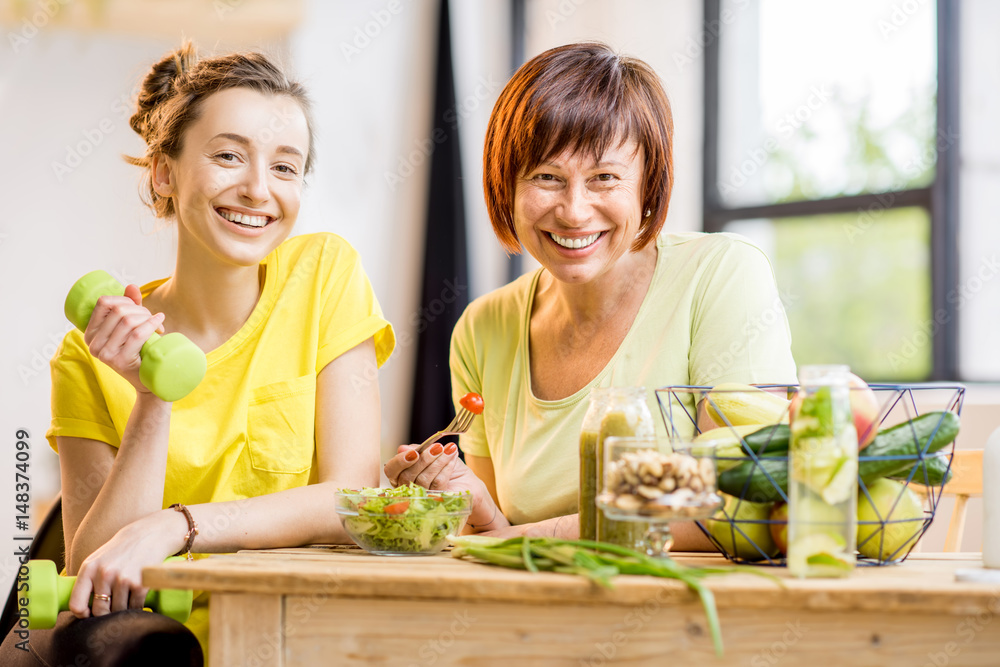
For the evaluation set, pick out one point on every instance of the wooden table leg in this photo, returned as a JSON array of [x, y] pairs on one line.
[[245, 630]]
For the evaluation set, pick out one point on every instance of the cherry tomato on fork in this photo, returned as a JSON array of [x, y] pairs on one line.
[[473, 403]]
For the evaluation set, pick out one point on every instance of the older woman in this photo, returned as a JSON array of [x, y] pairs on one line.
[[578, 170]]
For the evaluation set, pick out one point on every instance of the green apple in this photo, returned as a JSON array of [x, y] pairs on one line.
[[735, 529], [884, 535]]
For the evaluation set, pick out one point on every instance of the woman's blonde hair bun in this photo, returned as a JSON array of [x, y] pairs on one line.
[[160, 85]]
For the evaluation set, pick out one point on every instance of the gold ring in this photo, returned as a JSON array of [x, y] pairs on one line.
[[102, 596]]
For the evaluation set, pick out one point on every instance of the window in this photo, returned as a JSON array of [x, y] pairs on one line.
[[827, 142]]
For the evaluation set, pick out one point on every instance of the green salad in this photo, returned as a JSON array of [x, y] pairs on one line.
[[406, 520]]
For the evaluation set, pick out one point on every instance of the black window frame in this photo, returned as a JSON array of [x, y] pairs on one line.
[[939, 199]]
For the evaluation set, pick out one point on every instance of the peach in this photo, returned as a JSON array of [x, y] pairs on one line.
[[779, 531], [865, 408]]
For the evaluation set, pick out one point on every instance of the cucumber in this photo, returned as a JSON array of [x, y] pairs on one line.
[[734, 445], [751, 474], [769, 440], [938, 471], [895, 449]]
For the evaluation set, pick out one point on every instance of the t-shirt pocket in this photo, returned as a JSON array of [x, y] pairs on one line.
[[281, 425]]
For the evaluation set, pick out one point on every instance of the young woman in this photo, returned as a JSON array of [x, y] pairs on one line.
[[256, 451], [578, 169]]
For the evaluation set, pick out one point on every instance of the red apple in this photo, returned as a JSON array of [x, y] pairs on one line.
[[865, 408], [779, 531]]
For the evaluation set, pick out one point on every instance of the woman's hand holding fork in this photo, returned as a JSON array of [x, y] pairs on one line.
[[436, 466]]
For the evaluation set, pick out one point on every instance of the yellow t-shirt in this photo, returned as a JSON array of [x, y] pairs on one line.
[[712, 314], [248, 428]]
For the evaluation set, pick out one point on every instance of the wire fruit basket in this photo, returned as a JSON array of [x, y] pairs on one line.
[[901, 470]]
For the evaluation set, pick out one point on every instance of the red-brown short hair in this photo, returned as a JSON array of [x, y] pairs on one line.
[[580, 97]]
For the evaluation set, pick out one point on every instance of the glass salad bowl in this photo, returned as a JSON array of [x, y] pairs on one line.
[[656, 481], [406, 521]]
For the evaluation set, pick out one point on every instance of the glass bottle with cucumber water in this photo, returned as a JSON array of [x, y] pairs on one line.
[[823, 475], [619, 411]]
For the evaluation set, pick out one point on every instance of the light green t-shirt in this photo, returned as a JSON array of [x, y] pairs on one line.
[[712, 314]]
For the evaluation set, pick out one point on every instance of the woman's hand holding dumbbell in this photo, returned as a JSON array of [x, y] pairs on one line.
[[118, 328], [125, 335]]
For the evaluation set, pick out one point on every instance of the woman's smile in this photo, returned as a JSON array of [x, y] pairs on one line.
[[576, 242], [244, 222]]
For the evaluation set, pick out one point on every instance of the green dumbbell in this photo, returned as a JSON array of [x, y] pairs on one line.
[[172, 366], [48, 594]]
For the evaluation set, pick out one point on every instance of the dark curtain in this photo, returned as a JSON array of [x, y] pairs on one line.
[[445, 290]]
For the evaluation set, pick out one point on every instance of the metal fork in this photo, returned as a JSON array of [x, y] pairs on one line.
[[460, 424]]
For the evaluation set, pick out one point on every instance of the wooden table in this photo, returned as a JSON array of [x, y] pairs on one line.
[[339, 606]]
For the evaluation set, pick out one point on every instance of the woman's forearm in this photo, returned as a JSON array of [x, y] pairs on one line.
[[294, 517], [688, 537], [486, 515], [565, 527], [133, 487]]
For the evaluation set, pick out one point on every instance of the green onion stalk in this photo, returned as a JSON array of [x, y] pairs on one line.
[[597, 561]]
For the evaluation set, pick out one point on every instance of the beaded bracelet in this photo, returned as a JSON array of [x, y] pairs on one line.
[[192, 530]]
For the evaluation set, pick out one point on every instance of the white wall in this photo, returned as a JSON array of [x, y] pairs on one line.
[[978, 291], [979, 245]]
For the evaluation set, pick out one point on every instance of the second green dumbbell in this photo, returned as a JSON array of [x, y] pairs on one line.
[[172, 366], [48, 594]]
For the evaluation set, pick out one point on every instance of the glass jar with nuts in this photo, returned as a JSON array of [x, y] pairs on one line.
[[656, 481]]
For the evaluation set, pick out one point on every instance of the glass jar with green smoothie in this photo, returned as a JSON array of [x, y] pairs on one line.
[[625, 413], [589, 482]]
